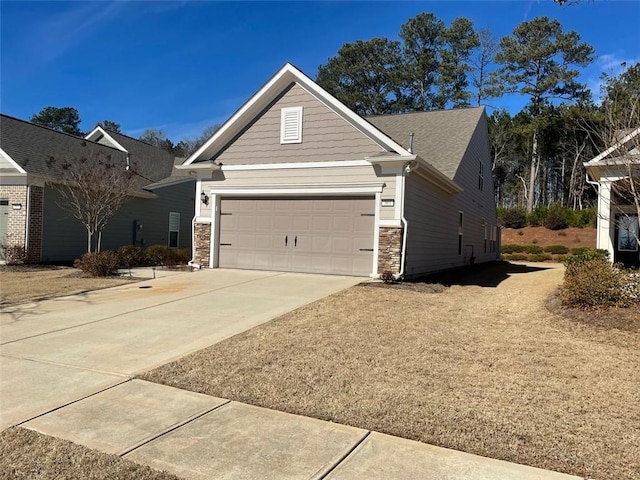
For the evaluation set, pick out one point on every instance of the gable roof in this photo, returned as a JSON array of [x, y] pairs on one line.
[[603, 156], [269, 92], [441, 137], [155, 163]]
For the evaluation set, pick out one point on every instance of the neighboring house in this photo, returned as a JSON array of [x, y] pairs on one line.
[[159, 211], [295, 181], [617, 204]]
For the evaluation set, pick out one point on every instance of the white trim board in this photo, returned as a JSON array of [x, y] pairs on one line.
[[299, 190], [105, 134], [15, 165], [295, 165]]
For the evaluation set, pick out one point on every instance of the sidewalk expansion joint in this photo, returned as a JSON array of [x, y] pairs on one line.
[[322, 473], [170, 429], [128, 376], [21, 423]]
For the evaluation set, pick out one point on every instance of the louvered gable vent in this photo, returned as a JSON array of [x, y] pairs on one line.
[[291, 125]]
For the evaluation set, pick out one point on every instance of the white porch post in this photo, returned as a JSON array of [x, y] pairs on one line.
[[605, 222]]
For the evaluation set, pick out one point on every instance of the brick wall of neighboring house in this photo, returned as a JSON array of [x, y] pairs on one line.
[[17, 221], [202, 243], [389, 249], [34, 248]]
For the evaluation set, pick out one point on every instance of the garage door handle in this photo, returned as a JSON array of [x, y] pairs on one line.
[[226, 244], [366, 249], [286, 240], [295, 241]]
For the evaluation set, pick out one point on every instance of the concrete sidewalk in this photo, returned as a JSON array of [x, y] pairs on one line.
[[196, 436]]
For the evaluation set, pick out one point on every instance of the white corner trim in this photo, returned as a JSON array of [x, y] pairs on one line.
[[13, 163], [390, 223], [294, 165], [300, 190], [104, 133]]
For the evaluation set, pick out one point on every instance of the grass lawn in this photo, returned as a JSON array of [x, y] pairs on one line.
[[30, 455], [482, 366], [19, 284]]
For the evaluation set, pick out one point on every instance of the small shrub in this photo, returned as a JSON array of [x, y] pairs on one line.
[[520, 232], [539, 257], [166, 256], [562, 258], [533, 249], [130, 256], [183, 255], [387, 277], [557, 249], [513, 217], [534, 241], [512, 248], [537, 217], [579, 250], [98, 264], [13, 254], [591, 281]]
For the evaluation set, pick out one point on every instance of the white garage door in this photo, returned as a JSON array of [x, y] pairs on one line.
[[312, 234]]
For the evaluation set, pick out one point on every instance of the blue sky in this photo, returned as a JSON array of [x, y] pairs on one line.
[[182, 66]]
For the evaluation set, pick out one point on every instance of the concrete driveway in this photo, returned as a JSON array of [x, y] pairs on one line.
[[58, 351]]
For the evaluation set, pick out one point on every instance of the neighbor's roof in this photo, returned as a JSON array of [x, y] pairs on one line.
[[440, 138], [38, 150]]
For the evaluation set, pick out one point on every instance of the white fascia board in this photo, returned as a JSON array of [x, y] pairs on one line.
[[263, 97], [299, 190], [295, 165], [209, 166], [13, 163], [100, 131], [171, 183], [614, 147]]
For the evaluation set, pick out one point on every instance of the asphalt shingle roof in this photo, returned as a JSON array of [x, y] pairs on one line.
[[40, 150], [440, 137]]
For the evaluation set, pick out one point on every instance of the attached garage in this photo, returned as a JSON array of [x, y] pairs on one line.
[[333, 235]]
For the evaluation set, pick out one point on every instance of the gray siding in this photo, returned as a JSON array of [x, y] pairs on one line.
[[325, 136], [64, 238], [432, 235]]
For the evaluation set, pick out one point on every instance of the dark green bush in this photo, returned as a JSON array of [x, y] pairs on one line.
[[511, 248], [512, 217], [581, 254], [579, 250], [557, 249], [537, 217], [98, 264], [130, 256], [582, 218], [556, 218], [533, 249]]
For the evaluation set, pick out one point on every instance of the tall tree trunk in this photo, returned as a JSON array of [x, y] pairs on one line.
[[534, 171]]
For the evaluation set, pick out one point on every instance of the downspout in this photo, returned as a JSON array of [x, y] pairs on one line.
[[405, 225], [408, 168]]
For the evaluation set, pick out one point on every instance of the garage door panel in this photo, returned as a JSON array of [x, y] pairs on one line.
[[331, 233]]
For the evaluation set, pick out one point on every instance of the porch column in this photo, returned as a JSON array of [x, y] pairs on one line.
[[605, 222]]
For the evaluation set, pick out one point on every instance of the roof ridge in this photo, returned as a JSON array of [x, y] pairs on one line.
[[417, 112], [56, 131]]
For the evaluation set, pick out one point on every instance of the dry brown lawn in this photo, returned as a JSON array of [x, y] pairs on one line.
[[28, 455], [569, 237], [19, 284], [483, 369]]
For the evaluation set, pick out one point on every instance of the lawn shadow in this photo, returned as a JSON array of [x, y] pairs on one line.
[[489, 274]]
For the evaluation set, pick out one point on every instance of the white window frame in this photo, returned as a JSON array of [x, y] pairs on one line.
[[290, 114], [177, 231], [481, 177]]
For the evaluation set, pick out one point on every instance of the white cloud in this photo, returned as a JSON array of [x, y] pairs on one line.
[[609, 64]]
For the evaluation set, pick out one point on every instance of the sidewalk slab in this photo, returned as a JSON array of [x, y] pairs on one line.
[[124, 416], [244, 442], [381, 457], [32, 388]]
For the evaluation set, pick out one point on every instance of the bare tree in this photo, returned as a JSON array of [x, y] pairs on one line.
[[92, 189], [481, 78]]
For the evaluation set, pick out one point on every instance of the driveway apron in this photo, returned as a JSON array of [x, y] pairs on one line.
[[58, 351]]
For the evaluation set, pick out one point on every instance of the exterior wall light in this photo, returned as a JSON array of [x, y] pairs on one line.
[[204, 198], [388, 202], [16, 206]]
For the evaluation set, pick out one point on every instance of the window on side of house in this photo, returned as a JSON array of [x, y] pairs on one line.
[[486, 227], [481, 177], [291, 125], [174, 229], [460, 231]]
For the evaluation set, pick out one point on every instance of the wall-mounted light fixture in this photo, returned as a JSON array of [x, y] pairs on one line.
[[204, 198], [388, 202], [16, 206]]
